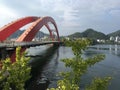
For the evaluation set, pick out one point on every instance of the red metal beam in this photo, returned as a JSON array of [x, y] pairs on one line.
[[10, 28], [30, 33]]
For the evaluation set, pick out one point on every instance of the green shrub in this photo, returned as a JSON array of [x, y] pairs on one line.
[[14, 75], [71, 79]]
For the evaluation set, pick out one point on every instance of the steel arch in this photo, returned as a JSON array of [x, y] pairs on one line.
[[10, 28], [30, 33]]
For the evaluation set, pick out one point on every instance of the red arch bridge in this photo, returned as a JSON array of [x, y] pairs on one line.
[[25, 39]]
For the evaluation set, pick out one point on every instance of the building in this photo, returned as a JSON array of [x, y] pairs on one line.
[[117, 39], [112, 38]]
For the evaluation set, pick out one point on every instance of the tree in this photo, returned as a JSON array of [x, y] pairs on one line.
[[14, 75], [71, 79]]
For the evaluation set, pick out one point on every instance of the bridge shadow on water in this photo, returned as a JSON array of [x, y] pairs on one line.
[[38, 81]]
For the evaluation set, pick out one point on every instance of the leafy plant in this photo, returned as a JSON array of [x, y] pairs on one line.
[[14, 75], [79, 66]]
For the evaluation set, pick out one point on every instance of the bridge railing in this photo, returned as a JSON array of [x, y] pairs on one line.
[[32, 43]]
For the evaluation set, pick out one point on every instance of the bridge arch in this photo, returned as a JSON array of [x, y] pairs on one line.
[[30, 33], [10, 28]]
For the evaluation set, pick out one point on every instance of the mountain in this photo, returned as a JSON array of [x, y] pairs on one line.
[[16, 34], [117, 33], [19, 32], [89, 33], [75, 35]]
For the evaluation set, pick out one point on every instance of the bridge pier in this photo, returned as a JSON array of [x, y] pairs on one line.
[[6, 52], [57, 44], [3, 53]]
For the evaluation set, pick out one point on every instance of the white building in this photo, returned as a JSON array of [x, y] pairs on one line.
[[112, 38], [117, 39]]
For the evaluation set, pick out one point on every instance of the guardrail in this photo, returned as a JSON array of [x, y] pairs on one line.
[[26, 44]]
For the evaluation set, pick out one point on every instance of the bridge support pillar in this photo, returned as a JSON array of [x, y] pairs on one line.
[[57, 44], [3, 53]]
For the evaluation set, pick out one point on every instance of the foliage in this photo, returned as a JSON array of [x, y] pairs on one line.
[[79, 66], [89, 33], [114, 34], [76, 35], [14, 75], [99, 84]]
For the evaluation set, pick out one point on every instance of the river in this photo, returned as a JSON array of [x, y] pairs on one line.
[[46, 64]]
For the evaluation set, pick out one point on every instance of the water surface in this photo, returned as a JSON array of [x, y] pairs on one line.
[[47, 64]]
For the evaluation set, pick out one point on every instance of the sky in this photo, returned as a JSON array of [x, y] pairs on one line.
[[70, 15]]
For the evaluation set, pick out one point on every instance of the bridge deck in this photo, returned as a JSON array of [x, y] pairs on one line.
[[115, 47], [27, 44]]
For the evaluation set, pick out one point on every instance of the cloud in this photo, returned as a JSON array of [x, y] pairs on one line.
[[115, 12], [7, 11], [7, 15], [69, 14]]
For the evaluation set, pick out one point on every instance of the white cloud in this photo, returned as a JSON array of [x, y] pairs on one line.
[[115, 13], [7, 15], [7, 11], [71, 14]]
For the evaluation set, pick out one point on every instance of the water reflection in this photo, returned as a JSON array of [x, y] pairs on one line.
[[38, 81], [110, 66], [51, 65], [113, 49]]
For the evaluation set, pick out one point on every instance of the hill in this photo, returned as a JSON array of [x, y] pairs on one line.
[[75, 35], [89, 33], [16, 34], [117, 33], [19, 32]]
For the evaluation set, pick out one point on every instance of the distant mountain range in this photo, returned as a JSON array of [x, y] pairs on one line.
[[117, 33], [19, 32], [92, 34], [89, 33]]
